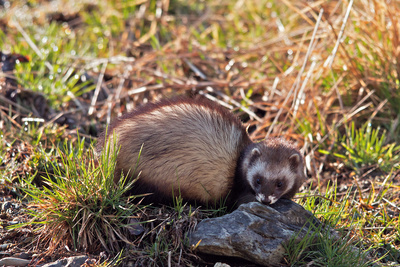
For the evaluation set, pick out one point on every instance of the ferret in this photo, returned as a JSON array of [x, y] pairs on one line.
[[200, 151]]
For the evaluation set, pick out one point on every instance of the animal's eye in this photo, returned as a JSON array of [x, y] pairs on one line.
[[279, 184], [258, 181]]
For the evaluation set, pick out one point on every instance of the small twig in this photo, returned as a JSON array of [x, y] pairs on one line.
[[357, 111], [109, 106], [390, 203], [356, 106], [337, 90], [300, 94], [118, 92], [311, 159], [237, 104], [212, 98], [144, 89], [378, 108], [32, 120], [94, 62], [295, 9], [169, 258], [195, 69], [180, 256], [379, 228], [148, 35], [11, 119], [97, 91], [187, 86], [273, 89]]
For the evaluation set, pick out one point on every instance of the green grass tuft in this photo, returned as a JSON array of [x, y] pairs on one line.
[[365, 147], [80, 206]]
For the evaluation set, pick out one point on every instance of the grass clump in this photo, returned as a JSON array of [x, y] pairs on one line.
[[365, 147], [80, 207], [355, 230], [49, 72], [324, 246]]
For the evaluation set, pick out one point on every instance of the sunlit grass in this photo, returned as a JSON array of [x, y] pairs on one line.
[[367, 147], [79, 205], [247, 54], [366, 225]]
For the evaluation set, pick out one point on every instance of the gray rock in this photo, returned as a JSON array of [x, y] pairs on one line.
[[76, 261], [254, 231], [11, 261]]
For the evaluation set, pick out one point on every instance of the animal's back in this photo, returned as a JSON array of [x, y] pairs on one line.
[[189, 146]]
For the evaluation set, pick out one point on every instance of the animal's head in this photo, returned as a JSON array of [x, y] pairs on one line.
[[273, 169]]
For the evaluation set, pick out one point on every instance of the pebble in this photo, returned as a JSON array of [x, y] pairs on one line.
[[6, 205]]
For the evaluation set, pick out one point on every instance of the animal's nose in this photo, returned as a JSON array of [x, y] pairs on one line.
[[266, 201]]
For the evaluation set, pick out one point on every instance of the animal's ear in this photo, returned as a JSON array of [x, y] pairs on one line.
[[255, 152], [294, 160]]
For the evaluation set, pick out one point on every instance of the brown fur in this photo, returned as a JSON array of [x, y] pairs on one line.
[[191, 147]]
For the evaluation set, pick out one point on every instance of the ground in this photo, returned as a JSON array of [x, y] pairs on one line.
[[324, 75]]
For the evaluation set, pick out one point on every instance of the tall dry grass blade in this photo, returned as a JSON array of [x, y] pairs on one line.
[[346, 17], [97, 90], [309, 50], [296, 84]]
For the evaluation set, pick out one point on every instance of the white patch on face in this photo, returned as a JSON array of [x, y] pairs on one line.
[[260, 197], [258, 168], [272, 199]]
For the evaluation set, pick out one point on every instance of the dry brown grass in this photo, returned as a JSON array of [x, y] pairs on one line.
[[297, 69]]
